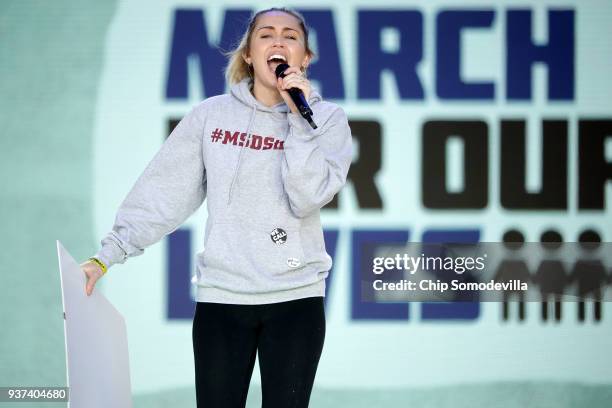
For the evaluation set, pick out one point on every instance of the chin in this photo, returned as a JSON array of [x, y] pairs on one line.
[[268, 81]]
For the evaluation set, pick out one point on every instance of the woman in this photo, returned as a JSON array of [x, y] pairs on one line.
[[265, 173]]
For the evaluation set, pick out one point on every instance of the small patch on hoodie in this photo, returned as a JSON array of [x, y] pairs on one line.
[[293, 262], [278, 236]]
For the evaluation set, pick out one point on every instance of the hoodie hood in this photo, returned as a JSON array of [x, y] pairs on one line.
[[242, 92]]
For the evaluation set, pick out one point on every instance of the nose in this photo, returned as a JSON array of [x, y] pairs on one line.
[[279, 40]]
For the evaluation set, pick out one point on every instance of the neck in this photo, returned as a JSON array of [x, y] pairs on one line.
[[267, 96]]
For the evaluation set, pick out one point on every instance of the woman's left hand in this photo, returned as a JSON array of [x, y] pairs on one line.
[[294, 78]]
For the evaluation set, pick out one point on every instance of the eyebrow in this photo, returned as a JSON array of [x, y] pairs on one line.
[[284, 28]]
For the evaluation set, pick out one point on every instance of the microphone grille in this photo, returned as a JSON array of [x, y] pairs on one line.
[[280, 69]]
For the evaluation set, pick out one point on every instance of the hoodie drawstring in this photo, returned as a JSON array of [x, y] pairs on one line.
[[248, 137]]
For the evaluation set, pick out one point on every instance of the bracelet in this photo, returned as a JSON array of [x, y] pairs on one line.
[[99, 263]]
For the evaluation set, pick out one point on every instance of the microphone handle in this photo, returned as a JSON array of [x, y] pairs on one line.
[[297, 96]]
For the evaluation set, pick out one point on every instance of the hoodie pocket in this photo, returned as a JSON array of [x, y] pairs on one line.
[[253, 250]]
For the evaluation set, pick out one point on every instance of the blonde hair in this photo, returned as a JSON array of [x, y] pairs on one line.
[[237, 69]]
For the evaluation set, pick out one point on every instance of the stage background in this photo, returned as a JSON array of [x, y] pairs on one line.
[[89, 90]]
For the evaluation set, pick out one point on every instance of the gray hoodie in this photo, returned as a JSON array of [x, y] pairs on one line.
[[265, 173]]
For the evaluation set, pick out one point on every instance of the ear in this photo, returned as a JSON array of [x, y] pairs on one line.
[[306, 61], [246, 59]]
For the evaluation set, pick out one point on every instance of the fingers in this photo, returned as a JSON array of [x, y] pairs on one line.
[[89, 289], [293, 74], [91, 282], [295, 80], [92, 274], [292, 70]]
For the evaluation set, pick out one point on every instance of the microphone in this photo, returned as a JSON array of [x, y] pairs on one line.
[[297, 96]]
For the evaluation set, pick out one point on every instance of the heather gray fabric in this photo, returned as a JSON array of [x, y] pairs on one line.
[[265, 173]]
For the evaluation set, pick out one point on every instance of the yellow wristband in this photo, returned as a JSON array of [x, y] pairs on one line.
[[100, 264]]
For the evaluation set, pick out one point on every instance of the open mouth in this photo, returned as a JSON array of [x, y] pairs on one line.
[[275, 60]]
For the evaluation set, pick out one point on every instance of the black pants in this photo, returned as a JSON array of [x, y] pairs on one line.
[[288, 337]]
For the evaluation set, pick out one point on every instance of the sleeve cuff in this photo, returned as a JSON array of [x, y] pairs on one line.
[[110, 254]]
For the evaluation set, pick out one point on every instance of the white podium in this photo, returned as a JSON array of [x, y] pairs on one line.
[[97, 356]]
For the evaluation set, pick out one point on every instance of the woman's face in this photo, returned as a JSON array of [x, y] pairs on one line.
[[276, 34]]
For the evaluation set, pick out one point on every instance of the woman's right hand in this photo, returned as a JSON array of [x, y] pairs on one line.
[[93, 271]]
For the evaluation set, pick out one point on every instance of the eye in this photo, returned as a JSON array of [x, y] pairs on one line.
[[265, 35], [291, 37]]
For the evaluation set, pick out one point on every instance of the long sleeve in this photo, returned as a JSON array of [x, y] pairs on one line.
[[171, 188], [316, 161]]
